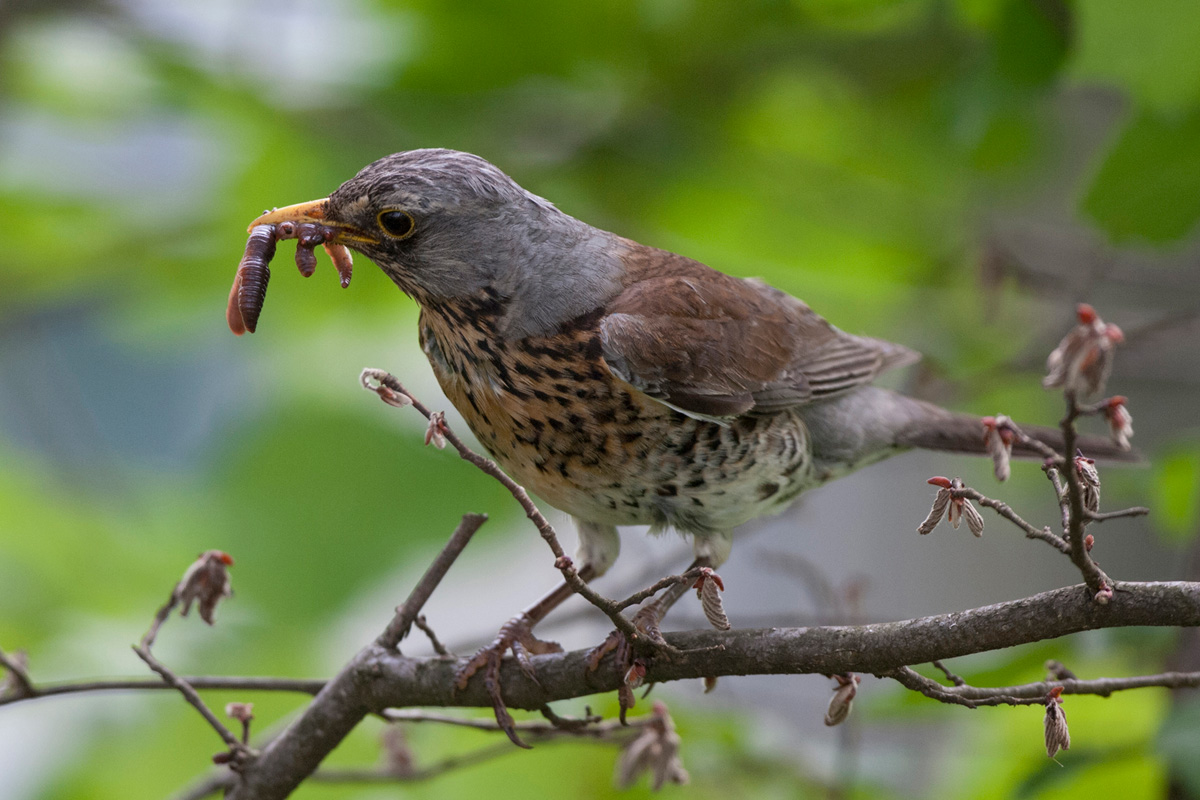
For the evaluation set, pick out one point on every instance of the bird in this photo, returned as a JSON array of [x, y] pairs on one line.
[[621, 383]]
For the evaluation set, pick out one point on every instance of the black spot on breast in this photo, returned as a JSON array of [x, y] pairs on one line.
[[592, 350], [474, 405], [687, 446], [667, 490], [767, 490]]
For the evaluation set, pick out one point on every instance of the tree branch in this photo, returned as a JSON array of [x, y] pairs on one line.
[[299, 685], [406, 614], [377, 679]]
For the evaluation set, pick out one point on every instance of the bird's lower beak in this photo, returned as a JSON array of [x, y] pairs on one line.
[[314, 212]]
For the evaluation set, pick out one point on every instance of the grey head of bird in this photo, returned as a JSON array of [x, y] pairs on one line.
[[445, 225]]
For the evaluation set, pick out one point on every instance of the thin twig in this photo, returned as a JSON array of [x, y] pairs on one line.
[[1041, 447], [489, 467], [398, 628], [1035, 693], [665, 583], [299, 685], [911, 679], [612, 731], [588, 722], [190, 695], [1003, 509], [957, 680], [1093, 576], [1101, 516], [586, 727], [434, 641], [160, 617], [1060, 493]]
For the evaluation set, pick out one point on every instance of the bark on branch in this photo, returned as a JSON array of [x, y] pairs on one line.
[[378, 678]]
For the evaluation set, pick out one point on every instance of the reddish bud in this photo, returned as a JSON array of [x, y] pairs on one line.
[[242, 712], [435, 433], [1083, 359], [655, 751], [843, 697], [206, 582], [939, 481], [1055, 724], [636, 674], [705, 574]]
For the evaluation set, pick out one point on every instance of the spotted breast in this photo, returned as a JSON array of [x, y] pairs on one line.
[[553, 414]]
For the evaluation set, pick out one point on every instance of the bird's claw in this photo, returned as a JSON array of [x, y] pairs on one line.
[[515, 635], [631, 669]]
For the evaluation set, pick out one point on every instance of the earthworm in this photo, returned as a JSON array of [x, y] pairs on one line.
[[308, 236], [341, 259], [250, 284]]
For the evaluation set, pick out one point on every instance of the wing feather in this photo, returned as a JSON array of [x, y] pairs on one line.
[[715, 346]]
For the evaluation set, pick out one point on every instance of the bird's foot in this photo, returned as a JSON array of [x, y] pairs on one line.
[[515, 635], [631, 667]]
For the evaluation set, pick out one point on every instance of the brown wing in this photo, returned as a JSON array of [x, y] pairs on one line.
[[716, 346]]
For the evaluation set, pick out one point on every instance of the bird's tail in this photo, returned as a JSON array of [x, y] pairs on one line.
[[933, 428]]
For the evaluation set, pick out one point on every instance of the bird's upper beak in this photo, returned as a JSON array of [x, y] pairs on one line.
[[314, 212]]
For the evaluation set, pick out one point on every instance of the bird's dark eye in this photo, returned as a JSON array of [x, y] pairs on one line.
[[397, 224]]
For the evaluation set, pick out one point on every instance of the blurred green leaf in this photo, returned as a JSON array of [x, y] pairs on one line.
[[1148, 187], [1146, 48], [1176, 500]]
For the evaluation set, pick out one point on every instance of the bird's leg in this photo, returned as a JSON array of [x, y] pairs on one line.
[[517, 635], [650, 616], [648, 620]]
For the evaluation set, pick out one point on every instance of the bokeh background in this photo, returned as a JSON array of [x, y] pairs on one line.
[[950, 175]]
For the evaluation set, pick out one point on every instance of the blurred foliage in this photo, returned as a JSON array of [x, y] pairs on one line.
[[857, 153]]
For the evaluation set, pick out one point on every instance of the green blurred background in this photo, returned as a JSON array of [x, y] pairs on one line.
[[951, 175]]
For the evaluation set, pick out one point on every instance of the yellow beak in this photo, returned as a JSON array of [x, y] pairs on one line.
[[314, 212]]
